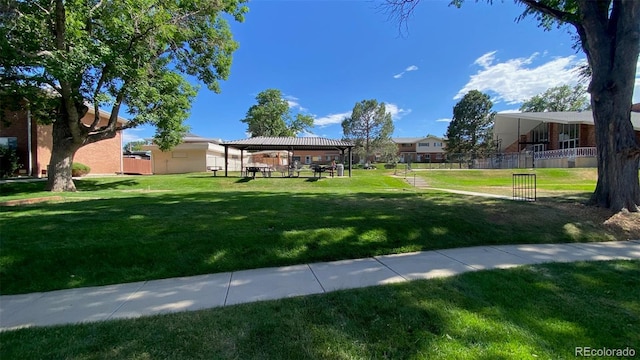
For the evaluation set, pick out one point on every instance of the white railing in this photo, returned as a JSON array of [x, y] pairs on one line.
[[566, 153]]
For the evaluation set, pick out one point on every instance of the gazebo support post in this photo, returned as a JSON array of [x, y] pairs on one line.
[[350, 162], [226, 160]]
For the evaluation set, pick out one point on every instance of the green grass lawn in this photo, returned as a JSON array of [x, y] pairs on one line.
[[531, 312], [124, 229], [562, 184]]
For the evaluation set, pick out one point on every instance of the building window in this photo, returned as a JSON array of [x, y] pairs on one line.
[[423, 144], [438, 156], [540, 135], [307, 159], [568, 136], [437, 144]]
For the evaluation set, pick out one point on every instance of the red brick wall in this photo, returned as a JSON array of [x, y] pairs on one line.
[[103, 157]]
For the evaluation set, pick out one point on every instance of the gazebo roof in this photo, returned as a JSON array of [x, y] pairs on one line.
[[288, 143]]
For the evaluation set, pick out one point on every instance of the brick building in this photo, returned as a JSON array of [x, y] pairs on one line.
[[34, 142]]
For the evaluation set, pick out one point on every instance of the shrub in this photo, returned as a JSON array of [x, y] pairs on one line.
[[8, 161], [78, 169]]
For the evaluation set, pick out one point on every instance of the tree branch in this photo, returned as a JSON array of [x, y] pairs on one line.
[[555, 13]]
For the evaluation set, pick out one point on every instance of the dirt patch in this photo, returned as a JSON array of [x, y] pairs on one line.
[[627, 222], [624, 224], [31, 201]]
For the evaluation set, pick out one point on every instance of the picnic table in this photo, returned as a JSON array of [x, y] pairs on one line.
[[318, 169], [214, 169], [265, 170]]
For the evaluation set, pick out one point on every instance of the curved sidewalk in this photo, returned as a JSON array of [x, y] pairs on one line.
[[207, 291]]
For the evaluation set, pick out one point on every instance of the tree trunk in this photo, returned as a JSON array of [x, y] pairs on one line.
[[612, 51], [64, 148], [618, 185]]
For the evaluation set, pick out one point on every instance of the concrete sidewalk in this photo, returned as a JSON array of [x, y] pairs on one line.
[[208, 291]]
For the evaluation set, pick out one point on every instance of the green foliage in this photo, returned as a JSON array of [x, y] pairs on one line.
[[8, 161], [369, 127], [271, 116], [79, 169], [559, 98], [469, 131], [61, 55], [134, 145]]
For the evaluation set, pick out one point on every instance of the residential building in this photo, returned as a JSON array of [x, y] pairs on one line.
[[429, 149], [34, 142], [194, 154]]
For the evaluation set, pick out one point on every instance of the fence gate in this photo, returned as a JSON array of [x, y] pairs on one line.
[[524, 187]]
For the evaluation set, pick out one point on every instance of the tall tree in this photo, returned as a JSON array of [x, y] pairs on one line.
[[271, 116], [60, 57], [609, 34], [559, 98], [369, 127], [469, 131]]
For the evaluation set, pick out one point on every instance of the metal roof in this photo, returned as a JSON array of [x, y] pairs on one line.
[[288, 143]]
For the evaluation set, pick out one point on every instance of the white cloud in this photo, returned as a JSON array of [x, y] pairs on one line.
[[307, 133], [293, 103], [396, 112], [444, 120], [516, 80], [509, 111], [330, 119], [131, 135], [409, 68]]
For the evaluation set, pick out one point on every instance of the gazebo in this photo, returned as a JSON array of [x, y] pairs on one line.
[[290, 144]]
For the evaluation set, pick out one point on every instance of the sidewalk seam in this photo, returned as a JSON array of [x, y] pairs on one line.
[[316, 277], [454, 259], [108, 317], [226, 296], [385, 265]]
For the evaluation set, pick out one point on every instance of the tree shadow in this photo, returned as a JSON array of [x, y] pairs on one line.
[[153, 235], [543, 311]]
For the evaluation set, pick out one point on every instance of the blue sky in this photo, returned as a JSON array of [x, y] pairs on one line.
[[327, 55]]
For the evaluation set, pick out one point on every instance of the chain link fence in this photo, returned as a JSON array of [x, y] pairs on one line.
[[474, 161]]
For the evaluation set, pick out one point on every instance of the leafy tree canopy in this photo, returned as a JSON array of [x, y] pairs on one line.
[[60, 57], [469, 132], [369, 127], [271, 116], [134, 145], [560, 98]]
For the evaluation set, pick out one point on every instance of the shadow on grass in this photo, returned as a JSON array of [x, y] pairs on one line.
[[158, 235], [533, 312]]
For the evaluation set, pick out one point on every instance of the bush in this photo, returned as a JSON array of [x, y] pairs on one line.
[[8, 161], [78, 169]]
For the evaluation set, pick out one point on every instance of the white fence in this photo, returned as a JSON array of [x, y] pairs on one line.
[[572, 153]]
